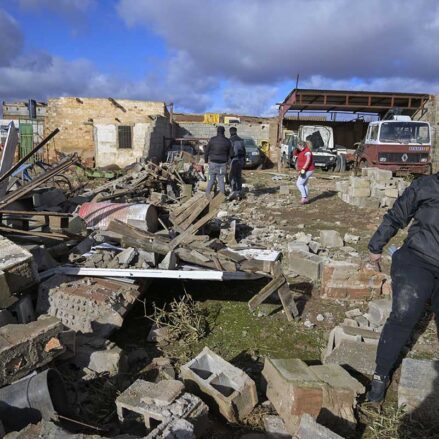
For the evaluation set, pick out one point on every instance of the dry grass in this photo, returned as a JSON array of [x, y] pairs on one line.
[[184, 319], [392, 422]]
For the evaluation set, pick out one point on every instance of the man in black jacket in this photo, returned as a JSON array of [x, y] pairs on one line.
[[217, 153], [237, 163], [415, 272]]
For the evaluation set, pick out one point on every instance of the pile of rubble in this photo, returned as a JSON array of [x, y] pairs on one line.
[[375, 188], [314, 258]]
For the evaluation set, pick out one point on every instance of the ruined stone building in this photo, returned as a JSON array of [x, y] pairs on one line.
[[108, 132]]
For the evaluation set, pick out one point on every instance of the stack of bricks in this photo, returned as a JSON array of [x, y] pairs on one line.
[[375, 188]]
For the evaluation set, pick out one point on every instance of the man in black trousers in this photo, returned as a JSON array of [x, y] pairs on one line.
[[415, 272]]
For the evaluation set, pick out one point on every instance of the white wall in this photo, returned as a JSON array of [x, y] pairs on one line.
[[106, 145]]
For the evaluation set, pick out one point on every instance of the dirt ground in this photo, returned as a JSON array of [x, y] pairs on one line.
[[245, 338]]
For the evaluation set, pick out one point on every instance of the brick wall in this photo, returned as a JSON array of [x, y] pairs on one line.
[[431, 114], [77, 118]]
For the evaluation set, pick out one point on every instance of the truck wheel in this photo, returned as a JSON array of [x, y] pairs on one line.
[[337, 164], [341, 163]]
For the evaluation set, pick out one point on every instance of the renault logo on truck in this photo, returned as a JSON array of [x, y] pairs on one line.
[[404, 157]]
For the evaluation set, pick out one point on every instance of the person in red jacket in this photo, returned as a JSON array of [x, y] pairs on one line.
[[305, 166]]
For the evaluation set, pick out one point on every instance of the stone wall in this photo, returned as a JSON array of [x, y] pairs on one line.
[[431, 114], [77, 118]]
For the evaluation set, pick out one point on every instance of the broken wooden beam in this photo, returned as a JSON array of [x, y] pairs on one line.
[[266, 292]]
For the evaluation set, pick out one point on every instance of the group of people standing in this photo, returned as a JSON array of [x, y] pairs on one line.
[[220, 151]]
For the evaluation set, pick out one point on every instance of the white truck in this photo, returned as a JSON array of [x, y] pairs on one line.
[[327, 155]]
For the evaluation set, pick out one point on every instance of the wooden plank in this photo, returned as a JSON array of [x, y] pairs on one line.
[[213, 210], [266, 292], [287, 299], [177, 211], [196, 212], [124, 229], [161, 248], [55, 236]]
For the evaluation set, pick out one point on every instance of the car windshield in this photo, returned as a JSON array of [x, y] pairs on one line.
[[250, 144], [405, 132]]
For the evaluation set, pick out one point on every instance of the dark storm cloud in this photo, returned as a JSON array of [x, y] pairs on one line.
[[11, 39], [269, 41]]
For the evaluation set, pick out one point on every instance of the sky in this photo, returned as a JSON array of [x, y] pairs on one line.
[[239, 56]]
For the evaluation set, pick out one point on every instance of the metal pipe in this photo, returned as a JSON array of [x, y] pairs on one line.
[[29, 400]]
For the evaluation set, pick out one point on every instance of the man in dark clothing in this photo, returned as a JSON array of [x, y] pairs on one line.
[[217, 153], [415, 272], [237, 163]]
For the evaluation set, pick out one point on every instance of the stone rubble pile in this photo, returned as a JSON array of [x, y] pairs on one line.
[[375, 188]]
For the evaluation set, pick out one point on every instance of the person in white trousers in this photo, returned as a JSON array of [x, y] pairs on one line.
[[305, 166]]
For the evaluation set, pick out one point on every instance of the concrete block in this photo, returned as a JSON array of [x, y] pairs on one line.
[[379, 311], [310, 429], [150, 258], [111, 360], [125, 257], [330, 239], [163, 393], [305, 263], [359, 182], [88, 305], [355, 354], [229, 388], [359, 192], [303, 237], [342, 186], [137, 399], [324, 392], [391, 192], [23, 310], [169, 262], [297, 245], [26, 347], [418, 388], [275, 427], [18, 266], [379, 174], [314, 246]]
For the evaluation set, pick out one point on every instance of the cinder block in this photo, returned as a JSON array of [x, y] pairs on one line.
[[232, 390], [88, 305], [330, 239], [379, 311], [305, 263], [359, 182], [360, 192]]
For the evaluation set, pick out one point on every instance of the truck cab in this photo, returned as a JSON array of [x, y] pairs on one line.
[[400, 145]]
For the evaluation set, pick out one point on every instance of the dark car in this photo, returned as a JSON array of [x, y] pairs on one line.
[[253, 155]]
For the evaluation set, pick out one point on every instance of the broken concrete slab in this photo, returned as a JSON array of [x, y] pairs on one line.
[[162, 393], [305, 263], [310, 429], [379, 311], [298, 245], [229, 388], [126, 256], [418, 388], [111, 360], [149, 258], [314, 246], [351, 239], [355, 354], [324, 392], [25, 347], [330, 239], [185, 406], [89, 305]]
